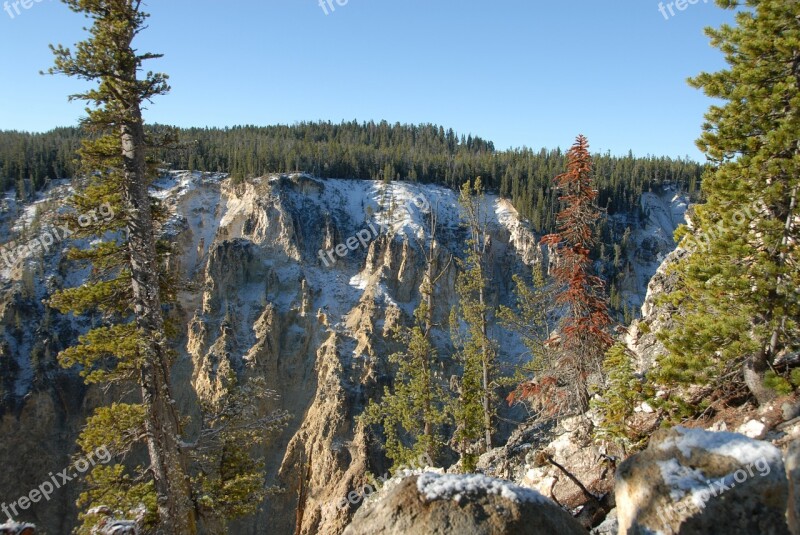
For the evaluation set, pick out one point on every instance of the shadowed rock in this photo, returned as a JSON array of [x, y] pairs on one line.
[[461, 504], [691, 481]]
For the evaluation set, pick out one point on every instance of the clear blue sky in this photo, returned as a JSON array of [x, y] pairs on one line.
[[517, 72]]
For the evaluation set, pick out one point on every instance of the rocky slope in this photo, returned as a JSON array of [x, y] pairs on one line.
[[269, 295]]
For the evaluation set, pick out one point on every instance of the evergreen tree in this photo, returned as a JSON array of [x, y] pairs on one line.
[[128, 284], [623, 392], [736, 302], [119, 151], [413, 413], [584, 328], [474, 410], [529, 318]]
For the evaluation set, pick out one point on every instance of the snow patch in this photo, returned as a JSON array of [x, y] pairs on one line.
[[651, 242], [12, 527], [683, 480], [745, 450], [452, 486]]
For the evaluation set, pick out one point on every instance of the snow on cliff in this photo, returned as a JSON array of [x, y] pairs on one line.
[[651, 242], [207, 210]]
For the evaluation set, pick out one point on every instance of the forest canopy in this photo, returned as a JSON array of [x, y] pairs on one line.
[[418, 153]]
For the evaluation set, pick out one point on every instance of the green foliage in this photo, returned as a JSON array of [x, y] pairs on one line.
[[624, 391], [411, 413], [124, 495], [735, 300], [227, 479], [106, 354], [781, 384], [778, 383], [528, 318], [118, 428], [474, 409], [106, 296]]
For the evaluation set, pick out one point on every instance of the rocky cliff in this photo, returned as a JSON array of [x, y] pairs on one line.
[[290, 278]]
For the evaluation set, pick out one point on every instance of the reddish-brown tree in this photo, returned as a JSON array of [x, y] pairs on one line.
[[584, 336]]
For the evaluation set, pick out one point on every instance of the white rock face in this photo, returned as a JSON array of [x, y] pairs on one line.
[[641, 336], [262, 301], [651, 242]]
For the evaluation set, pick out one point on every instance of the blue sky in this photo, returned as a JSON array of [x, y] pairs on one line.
[[517, 72]]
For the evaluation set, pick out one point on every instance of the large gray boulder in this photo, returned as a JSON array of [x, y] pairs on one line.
[[435, 504], [793, 473], [691, 481]]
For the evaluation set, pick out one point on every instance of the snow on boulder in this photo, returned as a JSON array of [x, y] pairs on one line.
[[15, 528], [461, 504], [692, 481], [461, 487]]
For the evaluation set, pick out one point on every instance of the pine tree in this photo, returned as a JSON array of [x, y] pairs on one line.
[[624, 390], [128, 284], [529, 318], [474, 410], [736, 302], [584, 328], [413, 412]]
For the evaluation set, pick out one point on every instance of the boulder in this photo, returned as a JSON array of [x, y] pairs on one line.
[[753, 429], [15, 528], [571, 446], [793, 473], [438, 504], [609, 526], [692, 481]]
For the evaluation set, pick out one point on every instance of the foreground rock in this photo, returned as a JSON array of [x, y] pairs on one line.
[[15, 528], [793, 473], [461, 504], [691, 481], [532, 458]]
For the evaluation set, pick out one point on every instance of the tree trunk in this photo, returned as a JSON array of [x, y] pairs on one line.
[[487, 402], [176, 514], [428, 296], [785, 239], [754, 369]]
